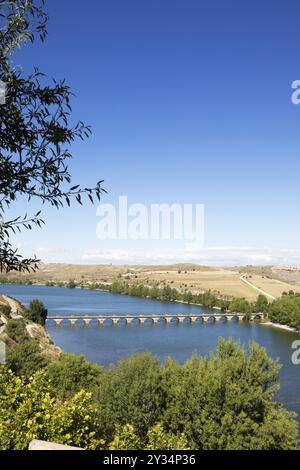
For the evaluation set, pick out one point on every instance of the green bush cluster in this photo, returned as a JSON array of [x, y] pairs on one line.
[[224, 401], [15, 280], [16, 330], [36, 312], [23, 354], [286, 310], [5, 309]]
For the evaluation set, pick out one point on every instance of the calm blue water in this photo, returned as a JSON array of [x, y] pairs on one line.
[[109, 343], [62, 301]]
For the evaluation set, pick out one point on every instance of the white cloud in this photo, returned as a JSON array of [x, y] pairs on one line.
[[227, 255], [214, 256], [40, 250]]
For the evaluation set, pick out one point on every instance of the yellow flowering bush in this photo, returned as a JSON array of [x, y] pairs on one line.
[[29, 411]]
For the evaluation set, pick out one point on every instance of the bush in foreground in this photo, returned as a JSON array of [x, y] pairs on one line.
[[25, 358], [70, 374], [224, 401], [30, 411]]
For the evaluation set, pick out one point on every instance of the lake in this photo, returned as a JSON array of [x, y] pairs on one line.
[[108, 344]]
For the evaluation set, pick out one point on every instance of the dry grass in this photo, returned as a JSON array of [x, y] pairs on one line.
[[181, 276], [274, 287]]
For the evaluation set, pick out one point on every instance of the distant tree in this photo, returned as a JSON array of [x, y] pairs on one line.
[[35, 132], [286, 311], [117, 288], [261, 304], [241, 306], [37, 312], [187, 297], [166, 294], [154, 293], [223, 304], [71, 284], [209, 299]]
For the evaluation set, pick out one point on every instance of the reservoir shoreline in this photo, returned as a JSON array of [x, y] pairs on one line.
[[264, 322]]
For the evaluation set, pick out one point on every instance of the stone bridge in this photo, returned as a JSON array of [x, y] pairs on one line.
[[154, 319]]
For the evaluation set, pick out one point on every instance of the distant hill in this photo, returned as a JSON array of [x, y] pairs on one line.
[[193, 277]]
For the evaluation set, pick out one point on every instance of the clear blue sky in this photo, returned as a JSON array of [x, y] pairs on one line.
[[190, 101]]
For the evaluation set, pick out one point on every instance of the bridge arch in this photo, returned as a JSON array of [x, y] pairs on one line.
[[257, 316], [234, 317], [211, 318], [221, 318]]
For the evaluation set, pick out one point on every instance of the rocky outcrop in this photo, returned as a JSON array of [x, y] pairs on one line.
[[47, 348], [34, 331]]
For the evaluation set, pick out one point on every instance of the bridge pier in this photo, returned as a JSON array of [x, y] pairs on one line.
[[257, 317], [155, 320], [218, 319], [241, 317]]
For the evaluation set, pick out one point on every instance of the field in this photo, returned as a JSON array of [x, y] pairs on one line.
[[223, 281]]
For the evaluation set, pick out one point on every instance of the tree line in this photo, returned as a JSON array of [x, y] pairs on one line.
[[206, 299], [286, 310]]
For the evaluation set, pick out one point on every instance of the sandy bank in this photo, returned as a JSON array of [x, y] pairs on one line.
[[282, 327]]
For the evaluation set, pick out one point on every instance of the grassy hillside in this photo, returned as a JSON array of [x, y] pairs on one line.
[[223, 281]]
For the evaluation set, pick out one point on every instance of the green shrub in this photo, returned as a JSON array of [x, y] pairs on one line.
[[131, 393], [70, 374], [5, 309], [37, 312], [29, 410], [286, 310], [221, 402], [16, 330], [71, 284], [25, 358]]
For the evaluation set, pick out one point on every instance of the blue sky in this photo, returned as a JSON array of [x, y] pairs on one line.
[[190, 102]]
